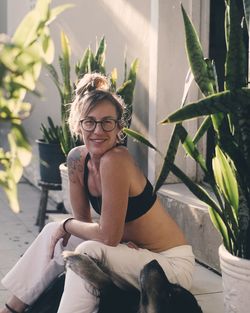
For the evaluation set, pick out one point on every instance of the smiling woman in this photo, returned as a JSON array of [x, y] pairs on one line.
[[133, 228]]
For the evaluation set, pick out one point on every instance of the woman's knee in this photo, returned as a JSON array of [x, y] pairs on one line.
[[92, 248], [48, 230]]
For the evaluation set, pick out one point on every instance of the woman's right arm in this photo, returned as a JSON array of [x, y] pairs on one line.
[[78, 197]]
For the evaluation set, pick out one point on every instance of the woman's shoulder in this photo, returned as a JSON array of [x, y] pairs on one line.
[[77, 153], [117, 158], [75, 161], [119, 152]]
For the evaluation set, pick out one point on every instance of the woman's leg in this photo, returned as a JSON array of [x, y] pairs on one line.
[[77, 297], [35, 270], [178, 264]]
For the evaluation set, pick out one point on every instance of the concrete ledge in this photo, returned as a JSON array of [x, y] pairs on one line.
[[192, 216]]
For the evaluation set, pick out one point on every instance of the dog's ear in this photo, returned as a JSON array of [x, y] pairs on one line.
[[152, 274]]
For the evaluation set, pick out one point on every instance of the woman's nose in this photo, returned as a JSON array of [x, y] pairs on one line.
[[98, 128]]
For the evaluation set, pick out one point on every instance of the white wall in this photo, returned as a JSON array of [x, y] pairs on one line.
[[167, 75], [151, 30]]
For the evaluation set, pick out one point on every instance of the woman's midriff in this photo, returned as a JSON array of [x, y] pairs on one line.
[[155, 230]]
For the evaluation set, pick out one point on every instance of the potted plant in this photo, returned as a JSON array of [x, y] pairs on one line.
[[227, 112], [90, 62], [50, 153]]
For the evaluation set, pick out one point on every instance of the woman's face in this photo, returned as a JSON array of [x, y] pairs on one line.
[[97, 140]]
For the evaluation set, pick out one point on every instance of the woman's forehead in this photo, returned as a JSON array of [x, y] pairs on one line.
[[102, 107]]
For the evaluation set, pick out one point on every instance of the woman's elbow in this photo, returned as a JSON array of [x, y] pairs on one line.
[[112, 241]]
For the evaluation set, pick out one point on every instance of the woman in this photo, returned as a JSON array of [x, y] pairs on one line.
[[133, 228]]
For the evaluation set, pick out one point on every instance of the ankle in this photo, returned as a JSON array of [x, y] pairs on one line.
[[9, 309]]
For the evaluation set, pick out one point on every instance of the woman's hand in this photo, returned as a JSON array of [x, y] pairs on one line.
[[131, 244], [58, 234]]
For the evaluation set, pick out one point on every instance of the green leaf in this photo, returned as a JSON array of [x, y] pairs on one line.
[[26, 32], [169, 159], [196, 189], [236, 60], [82, 66], [190, 148], [138, 137], [100, 53], [206, 124], [48, 49], [54, 12], [219, 102], [220, 226], [225, 178], [113, 78], [19, 144], [195, 56], [42, 7]]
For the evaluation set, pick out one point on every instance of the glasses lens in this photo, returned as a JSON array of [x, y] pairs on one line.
[[88, 124], [108, 125]]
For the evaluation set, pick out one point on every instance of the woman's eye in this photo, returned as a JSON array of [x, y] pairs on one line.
[[108, 122], [89, 122]]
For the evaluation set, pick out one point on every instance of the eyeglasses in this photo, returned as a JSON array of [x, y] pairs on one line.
[[107, 124]]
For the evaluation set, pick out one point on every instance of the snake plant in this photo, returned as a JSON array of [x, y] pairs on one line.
[[228, 113], [89, 62]]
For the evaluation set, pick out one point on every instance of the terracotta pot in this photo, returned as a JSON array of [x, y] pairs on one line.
[[236, 282]]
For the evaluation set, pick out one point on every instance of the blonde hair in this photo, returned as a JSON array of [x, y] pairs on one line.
[[90, 90]]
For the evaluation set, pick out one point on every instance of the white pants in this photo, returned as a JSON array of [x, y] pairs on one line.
[[35, 270]]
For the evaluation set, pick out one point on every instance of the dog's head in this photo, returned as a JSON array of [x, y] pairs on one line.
[[161, 296]]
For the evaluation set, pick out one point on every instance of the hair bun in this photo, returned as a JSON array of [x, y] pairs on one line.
[[90, 82]]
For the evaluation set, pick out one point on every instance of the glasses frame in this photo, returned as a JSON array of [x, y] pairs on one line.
[[98, 122]]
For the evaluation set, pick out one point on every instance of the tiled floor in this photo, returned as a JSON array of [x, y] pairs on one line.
[[18, 230]]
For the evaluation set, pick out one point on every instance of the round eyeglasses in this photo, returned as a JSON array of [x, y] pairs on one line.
[[107, 124]]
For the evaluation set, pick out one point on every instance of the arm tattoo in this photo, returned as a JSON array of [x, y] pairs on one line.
[[75, 165]]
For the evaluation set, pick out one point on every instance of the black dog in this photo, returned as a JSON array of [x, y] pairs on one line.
[[156, 294]]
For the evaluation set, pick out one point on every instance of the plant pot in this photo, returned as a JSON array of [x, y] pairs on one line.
[[236, 282], [51, 156], [65, 187]]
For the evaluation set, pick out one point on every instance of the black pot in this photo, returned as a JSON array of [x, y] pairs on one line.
[[51, 156]]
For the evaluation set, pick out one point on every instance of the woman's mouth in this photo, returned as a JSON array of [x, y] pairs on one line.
[[98, 140]]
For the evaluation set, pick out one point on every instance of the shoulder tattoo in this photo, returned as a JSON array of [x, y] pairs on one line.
[[74, 164]]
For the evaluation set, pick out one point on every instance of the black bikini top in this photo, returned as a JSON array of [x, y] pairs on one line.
[[137, 205]]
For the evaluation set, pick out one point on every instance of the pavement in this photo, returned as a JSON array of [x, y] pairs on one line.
[[17, 231]]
